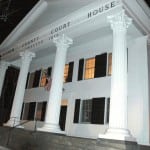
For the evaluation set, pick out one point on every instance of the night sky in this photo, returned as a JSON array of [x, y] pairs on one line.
[[11, 13]]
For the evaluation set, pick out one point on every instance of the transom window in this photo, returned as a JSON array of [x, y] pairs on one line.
[[89, 68]]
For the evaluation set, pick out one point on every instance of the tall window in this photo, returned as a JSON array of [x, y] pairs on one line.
[[89, 68], [109, 64], [66, 71], [86, 111], [33, 110], [40, 111], [92, 111], [43, 80]]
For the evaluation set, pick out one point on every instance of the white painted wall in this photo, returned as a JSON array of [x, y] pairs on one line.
[[98, 87], [138, 92], [138, 108]]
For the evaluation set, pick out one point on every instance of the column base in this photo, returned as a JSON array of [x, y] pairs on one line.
[[117, 134], [53, 128], [13, 123]]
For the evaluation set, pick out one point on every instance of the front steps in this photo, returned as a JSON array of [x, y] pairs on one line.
[[20, 139]]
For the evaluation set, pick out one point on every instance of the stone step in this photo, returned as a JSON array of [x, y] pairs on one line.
[[4, 148], [19, 139]]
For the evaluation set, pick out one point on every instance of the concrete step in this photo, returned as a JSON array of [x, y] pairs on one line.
[[19, 139], [4, 148]]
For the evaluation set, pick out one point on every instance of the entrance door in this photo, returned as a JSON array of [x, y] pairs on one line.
[[8, 92], [63, 113]]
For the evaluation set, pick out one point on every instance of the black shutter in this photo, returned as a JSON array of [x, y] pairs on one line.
[[80, 69], [100, 65], [31, 111], [43, 111], [76, 111], [62, 117], [49, 71], [70, 72], [37, 78], [27, 80], [98, 106]]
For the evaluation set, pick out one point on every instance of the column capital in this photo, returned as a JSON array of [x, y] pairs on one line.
[[119, 21], [4, 64], [63, 41], [27, 55]]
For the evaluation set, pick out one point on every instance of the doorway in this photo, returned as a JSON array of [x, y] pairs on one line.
[[8, 92], [63, 113]]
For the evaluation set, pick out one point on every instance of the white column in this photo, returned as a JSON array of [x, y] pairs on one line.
[[118, 99], [3, 67], [51, 123], [26, 58]]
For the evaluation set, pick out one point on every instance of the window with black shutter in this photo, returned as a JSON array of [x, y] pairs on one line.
[[80, 69], [70, 72], [76, 111], [98, 106], [100, 65], [37, 78]]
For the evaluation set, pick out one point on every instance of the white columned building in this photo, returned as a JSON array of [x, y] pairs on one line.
[[118, 103], [3, 67], [26, 58], [51, 123]]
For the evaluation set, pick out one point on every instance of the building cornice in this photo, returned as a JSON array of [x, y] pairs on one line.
[[44, 36]]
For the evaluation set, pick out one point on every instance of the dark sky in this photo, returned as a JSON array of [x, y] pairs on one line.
[[11, 13]]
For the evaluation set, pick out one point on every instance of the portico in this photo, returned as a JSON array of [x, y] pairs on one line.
[[74, 40]]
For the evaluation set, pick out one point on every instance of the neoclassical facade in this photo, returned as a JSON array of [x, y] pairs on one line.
[[84, 75]]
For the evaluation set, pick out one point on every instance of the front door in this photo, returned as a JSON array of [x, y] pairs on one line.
[[8, 92]]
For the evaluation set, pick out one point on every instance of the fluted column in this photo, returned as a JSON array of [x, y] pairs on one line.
[[26, 58], [3, 67], [51, 123], [118, 99]]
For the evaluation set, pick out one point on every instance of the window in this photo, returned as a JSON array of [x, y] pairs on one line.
[[86, 111], [66, 70], [33, 110], [43, 80], [31, 79], [94, 67], [109, 64], [89, 68], [37, 78], [40, 111], [107, 110], [93, 111], [25, 111]]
